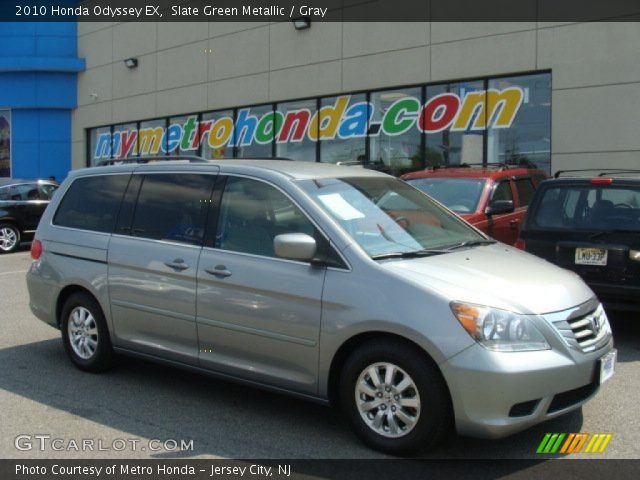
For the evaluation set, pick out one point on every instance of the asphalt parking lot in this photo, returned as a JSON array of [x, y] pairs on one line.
[[42, 393]]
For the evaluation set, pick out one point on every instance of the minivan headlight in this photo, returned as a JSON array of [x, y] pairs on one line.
[[499, 330]]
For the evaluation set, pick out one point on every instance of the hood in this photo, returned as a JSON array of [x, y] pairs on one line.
[[497, 276]]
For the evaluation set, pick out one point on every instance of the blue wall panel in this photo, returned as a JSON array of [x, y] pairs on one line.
[[17, 89], [56, 90], [38, 83], [18, 45], [41, 143], [55, 158]]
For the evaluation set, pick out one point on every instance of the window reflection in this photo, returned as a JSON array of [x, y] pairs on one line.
[[456, 147], [396, 145], [527, 141]]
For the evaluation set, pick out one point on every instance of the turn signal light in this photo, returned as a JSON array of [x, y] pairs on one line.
[[36, 249], [468, 316]]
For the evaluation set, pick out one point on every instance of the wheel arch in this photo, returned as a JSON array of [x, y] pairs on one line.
[[64, 295], [354, 342]]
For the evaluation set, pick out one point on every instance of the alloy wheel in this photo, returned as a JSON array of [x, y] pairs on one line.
[[83, 332], [387, 399], [8, 239]]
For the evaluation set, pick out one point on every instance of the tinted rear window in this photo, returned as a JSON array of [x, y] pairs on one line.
[[588, 207], [91, 203]]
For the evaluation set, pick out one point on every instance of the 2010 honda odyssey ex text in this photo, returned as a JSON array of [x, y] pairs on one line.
[[334, 283]]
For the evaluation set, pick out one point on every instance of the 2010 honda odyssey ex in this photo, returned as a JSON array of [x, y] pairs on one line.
[[333, 283]]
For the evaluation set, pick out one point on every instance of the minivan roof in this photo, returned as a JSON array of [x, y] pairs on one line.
[[298, 170]]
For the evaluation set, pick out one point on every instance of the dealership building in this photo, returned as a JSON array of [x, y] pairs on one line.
[[398, 96], [38, 70]]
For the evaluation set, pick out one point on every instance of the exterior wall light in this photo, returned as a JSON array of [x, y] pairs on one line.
[[301, 23], [131, 62]]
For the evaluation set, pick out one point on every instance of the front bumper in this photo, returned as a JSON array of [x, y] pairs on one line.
[[496, 394]]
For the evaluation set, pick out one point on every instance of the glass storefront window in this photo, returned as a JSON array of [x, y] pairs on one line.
[[294, 140], [395, 147], [254, 131], [5, 143], [218, 128], [527, 141], [462, 141], [99, 145], [343, 141], [152, 141], [181, 134], [124, 140], [499, 120]]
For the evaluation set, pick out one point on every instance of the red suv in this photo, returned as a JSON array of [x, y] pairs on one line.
[[493, 197]]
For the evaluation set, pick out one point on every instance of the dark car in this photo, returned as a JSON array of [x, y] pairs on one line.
[[22, 203], [493, 198], [591, 225]]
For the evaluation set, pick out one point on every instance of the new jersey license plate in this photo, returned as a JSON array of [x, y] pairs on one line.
[[591, 256], [607, 366]]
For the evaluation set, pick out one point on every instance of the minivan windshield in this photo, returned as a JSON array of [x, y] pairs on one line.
[[387, 217], [588, 207], [459, 194]]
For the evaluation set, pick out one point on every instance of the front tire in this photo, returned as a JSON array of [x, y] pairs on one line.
[[9, 238], [85, 334], [395, 398]]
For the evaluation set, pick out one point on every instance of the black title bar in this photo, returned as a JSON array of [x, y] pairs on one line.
[[320, 10]]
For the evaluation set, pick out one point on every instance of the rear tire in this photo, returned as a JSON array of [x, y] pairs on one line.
[[395, 398], [85, 334], [9, 238]]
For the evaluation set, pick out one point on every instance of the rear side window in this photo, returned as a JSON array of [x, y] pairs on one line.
[[91, 203], [173, 207], [525, 189], [32, 191]]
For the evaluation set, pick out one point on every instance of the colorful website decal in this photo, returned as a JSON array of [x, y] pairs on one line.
[[476, 111]]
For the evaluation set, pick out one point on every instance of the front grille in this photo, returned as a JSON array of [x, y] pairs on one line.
[[586, 332]]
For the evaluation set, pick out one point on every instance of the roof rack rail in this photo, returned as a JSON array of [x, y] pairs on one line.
[[349, 163], [169, 158], [601, 171], [501, 165], [261, 158]]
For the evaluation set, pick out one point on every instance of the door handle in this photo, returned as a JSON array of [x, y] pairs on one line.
[[218, 271], [514, 223], [177, 264]]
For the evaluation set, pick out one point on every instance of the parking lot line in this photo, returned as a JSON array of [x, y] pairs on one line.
[[15, 271]]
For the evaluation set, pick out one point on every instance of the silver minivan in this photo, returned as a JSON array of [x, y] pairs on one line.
[[337, 284]]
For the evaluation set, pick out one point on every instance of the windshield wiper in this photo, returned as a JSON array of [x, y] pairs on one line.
[[470, 243], [412, 254]]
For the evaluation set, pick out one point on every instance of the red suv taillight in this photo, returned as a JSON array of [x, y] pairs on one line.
[[602, 181], [36, 249], [520, 244]]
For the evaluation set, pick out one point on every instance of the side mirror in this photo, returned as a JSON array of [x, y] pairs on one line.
[[295, 246], [499, 206]]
